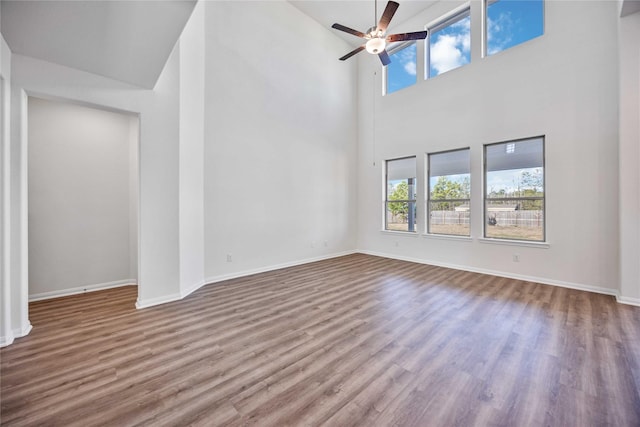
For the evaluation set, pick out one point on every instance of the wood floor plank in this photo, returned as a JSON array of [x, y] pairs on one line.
[[352, 341]]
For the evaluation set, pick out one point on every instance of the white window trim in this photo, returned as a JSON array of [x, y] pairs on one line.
[[448, 237], [507, 242]]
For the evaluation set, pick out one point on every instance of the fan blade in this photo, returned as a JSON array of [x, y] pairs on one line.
[[418, 35], [348, 30], [388, 13], [353, 52], [384, 57]]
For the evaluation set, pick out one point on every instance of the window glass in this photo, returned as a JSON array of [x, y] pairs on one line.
[[449, 44], [514, 190], [402, 70], [511, 22], [400, 200], [449, 193]]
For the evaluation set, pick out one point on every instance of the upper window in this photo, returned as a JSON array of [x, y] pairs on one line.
[[400, 198], [449, 192], [511, 22], [449, 44], [402, 70], [514, 190]]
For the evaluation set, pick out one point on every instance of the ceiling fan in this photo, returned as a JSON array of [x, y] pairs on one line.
[[376, 41]]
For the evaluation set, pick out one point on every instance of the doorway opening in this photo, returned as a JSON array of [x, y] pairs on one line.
[[83, 198]]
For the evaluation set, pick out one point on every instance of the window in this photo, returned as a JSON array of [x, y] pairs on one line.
[[449, 44], [402, 70], [400, 199], [514, 190], [511, 22], [449, 192]]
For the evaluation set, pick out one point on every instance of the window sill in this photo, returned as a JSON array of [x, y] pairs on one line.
[[400, 233], [448, 237], [539, 245]]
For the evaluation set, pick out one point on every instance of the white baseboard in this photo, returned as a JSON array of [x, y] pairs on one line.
[[6, 340], [628, 300], [16, 333], [157, 301], [542, 280], [215, 279], [235, 275], [81, 289], [191, 289], [24, 331]]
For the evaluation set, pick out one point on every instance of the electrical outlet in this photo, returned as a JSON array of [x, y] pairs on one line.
[[229, 258], [397, 244], [516, 257], [313, 244], [326, 244]]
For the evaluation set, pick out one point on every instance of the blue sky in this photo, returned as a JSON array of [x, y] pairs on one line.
[[402, 70], [509, 22]]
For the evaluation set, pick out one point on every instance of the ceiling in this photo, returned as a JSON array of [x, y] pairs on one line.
[[629, 7], [358, 14], [129, 41]]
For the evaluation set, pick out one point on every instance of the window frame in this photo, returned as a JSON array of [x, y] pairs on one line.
[[486, 199], [442, 22], [385, 69], [428, 195], [409, 201]]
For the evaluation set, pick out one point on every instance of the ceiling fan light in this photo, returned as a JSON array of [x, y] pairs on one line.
[[375, 45]]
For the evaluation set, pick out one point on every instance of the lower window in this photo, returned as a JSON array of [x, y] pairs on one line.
[[449, 193], [514, 190], [400, 194]]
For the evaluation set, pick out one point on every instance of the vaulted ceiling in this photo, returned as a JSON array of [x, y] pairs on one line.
[[131, 40], [128, 41]]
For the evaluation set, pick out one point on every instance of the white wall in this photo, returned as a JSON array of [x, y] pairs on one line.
[[6, 332], [562, 85], [630, 158], [192, 90], [279, 139], [78, 198], [276, 179], [134, 194], [158, 234]]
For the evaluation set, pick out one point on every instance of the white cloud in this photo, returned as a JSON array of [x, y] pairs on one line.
[[451, 47], [410, 67], [448, 51]]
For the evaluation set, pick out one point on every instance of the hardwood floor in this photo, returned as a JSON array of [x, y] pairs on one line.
[[357, 340]]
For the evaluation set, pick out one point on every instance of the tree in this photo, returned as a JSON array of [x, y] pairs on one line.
[[531, 180], [400, 192], [532, 186], [447, 189]]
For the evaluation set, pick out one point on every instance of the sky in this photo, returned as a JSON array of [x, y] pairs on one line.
[[402, 70], [509, 23], [509, 180]]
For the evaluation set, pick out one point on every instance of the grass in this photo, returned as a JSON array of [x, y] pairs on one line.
[[493, 231]]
